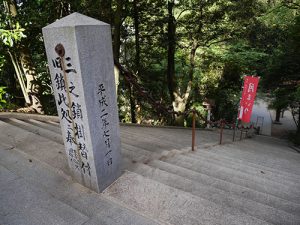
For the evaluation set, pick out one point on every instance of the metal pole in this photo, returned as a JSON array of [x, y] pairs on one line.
[[193, 130]]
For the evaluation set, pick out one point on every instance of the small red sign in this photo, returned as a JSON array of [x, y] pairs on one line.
[[248, 97]]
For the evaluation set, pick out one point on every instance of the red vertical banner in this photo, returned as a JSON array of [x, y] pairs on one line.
[[248, 97]]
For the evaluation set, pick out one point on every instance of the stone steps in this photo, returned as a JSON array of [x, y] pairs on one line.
[[206, 157], [244, 165], [156, 135], [287, 161], [170, 204], [222, 198], [59, 198], [41, 131], [49, 126], [53, 152], [277, 149], [253, 182], [46, 134], [177, 186], [171, 135], [228, 187], [40, 147], [133, 156], [150, 144], [139, 154]]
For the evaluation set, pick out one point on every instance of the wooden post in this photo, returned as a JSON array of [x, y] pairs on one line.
[[193, 130]]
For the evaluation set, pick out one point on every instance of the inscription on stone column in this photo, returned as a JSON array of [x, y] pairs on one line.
[[81, 65]]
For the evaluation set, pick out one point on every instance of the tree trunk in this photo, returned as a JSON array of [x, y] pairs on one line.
[[117, 29], [117, 39], [117, 78], [132, 104], [26, 69], [171, 50], [31, 88], [20, 76], [106, 11], [137, 57], [180, 102], [192, 59], [136, 35], [298, 124], [277, 117]]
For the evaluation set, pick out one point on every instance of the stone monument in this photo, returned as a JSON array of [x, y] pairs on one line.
[[79, 52]]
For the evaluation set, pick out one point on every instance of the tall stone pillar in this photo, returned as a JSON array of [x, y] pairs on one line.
[[79, 52]]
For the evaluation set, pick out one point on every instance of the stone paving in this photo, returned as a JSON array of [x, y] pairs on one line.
[[253, 181]]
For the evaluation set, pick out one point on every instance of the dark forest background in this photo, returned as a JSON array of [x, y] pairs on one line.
[[179, 54]]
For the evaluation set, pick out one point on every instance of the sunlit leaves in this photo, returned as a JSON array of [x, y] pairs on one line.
[[11, 37]]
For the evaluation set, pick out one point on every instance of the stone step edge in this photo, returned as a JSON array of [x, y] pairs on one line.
[[45, 164], [113, 200], [295, 190], [23, 124], [179, 190], [46, 125], [221, 180], [47, 167], [236, 164], [238, 160], [196, 182], [166, 154], [247, 156], [25, 116], [69, 179], [30, 128]]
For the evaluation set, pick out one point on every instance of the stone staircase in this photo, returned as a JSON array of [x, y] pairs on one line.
[[254, 181]]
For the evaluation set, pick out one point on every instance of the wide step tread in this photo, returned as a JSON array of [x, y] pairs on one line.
[[229, 187], [242, 168], [211, 154], [44, 178], [46, 133], [220, 197], [171, 205], [290, 193]]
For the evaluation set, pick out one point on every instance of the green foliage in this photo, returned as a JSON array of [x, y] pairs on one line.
[[246, 57], [2, 99], [2, 61], [227, 104], [10, 37], [200, 123], [283, 76], [280, 98], [297, 94], [229, 39]]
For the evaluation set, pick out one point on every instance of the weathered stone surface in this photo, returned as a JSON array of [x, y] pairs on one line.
[[163, 192], [80, 59], [171, 205], [22, 203]]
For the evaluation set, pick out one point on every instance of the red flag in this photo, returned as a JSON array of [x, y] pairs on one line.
[[248, 97]]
